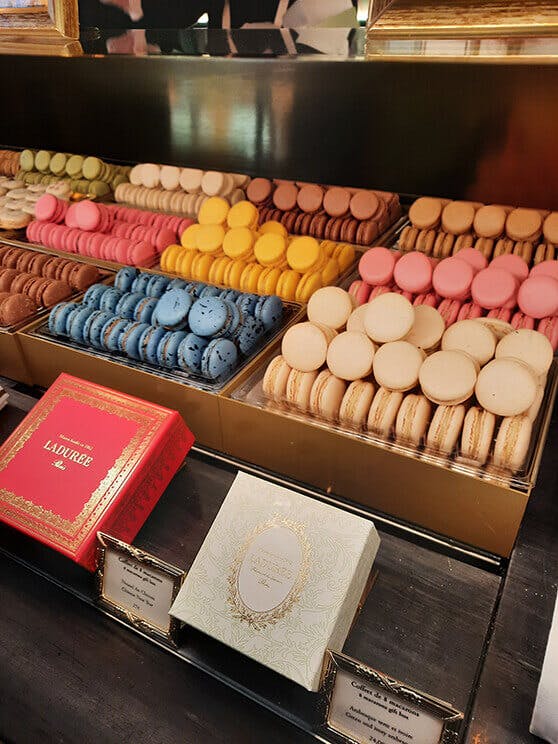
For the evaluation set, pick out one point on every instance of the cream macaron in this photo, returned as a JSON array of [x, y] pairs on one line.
[[477, 435], [506, 387], [412, 419], [383, 412], [397, 365], [350, 355], [275, 379], [472, 338], [448, 377], [304, 347], [512, 443], [389, 317], [356, 403], [326, 396], [299, 387], [445, 428]]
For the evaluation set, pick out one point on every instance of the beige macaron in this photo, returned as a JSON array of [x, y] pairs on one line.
[[326, 396], [299, 387], [448, 377], [474, 339], [550, 228], [304, 347], [275, 379], [531, 347], [383, 412], [506, 387], [457, 217], [490, 221], [425, 212], [350, 355], [331, 306], [445, 428], [512, 443], [397, 364], [412, 419], [428, 328], [523, 224], [477, 434], [355, 321], [356, 403], [389, 317]]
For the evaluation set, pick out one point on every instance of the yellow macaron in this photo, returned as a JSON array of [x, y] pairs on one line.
[[270, 249], [249, 277], [189, 236], [287, 284], [184, 264], [238, 243], [213, 211], [242, 214], [309, 283], [201, 266], [233, 274], [304, 254], [219, 268], [210, 238], [267, 281], [273, 227], [330, 272], [344, 254], [170, 256]]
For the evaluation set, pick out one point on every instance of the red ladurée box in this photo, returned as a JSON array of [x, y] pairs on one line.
[[87, 458]]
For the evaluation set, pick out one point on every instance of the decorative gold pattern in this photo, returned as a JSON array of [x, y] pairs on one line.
[[62, 532], [260, 620]]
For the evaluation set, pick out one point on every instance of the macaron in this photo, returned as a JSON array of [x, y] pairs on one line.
[[303, 254], [172, 309], [412, 419], [112, 332], [506, 387], [425, 212], [448, 377], [94, 294], [167, 350], [75, 322], [538, 296], [458, 217], [350, 355], [307, 285], [445, 428], [355, 405], [546, 268], [383, 412], [326, 395], [413, 273], [129, 340], [219, 358], [304, 347], [549, 328], [144, 308], [377, 265], [127, 304], [149, 343], [331, 306], [389, 317], [397, 364], [452, 279], [210, 317], [492, 288], [530, 347], [275, 379], [94, 327], [512, 443], [299, 387], [157, 285], [268, 310], [428, 328], [472, 338], [477, 434], [473, 257], [512, 263], [189, 353], [58, 318], [355, 321], [489, 221]]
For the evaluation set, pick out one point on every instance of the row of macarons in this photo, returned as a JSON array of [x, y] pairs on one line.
[[468, 433]]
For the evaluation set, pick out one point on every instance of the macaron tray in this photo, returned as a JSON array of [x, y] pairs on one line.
[[475, 397], [192, 333]]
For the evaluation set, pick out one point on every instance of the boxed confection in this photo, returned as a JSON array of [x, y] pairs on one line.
[[87, 458], [279, 577]]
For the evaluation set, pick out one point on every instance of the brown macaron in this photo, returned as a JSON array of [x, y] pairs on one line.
[[458, 217], [259, 189], [425, 212], [285, 196], [37, 263], [489, 221], [523, 224], [24, 261], [55, 292], [336, 201], [19, 282], [15, 308], [364, 205], [82, 276], [11, 257], [310, 198], [7, 277]]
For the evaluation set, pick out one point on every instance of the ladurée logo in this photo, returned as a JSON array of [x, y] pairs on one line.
[[66, 452]]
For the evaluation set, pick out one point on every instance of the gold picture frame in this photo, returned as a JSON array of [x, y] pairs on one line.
[[49, 27], [175, 576], [450, 719]]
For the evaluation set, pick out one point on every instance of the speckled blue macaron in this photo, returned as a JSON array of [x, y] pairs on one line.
[[93, 295], [229, 294], [195, 288], [168, 348], [149, 342], [58, 318], [172, 310], [269, 310], [246, 303], [110, 300], [157, 285], [189, 354], [249, 335], [127, 304], [140, 282], [209, 317], [176, 284], [143, 312], [112, 331], [129, 340], [124, 279], [96, 320], [235, 320], [76, 322], [210, 291], [219, 358]]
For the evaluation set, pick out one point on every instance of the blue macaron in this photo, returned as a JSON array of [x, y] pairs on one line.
[[149, 343], [140, 282], [127, 304], [176, 284], [143, 311], [172, 310], [210, 291], [189, 353], [112, 331], [249, 335], [167, 351], [219, 358], [269, 310], [94, 327], [210, 317], [129, 340], [125, 278], [229, 294], [235, 320], [58, 318], [94, 294], [157, 285], [246, 303], [76, 322], [195, 288], [110, 300]]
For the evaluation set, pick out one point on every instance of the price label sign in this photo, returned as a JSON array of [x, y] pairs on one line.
[[137, 587], [364, 706]]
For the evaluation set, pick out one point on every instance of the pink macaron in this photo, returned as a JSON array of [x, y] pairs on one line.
[[360, 291], [430, 298], [538, 296], [452, 279], [512, 263], [376, 266], [473, 257], [500, 313], [141, 254], [520, 320], [546, 268], [470, 311], [549, 327], [413, 273], [46, 208], [449, 310], [380, 290], [493, 288]]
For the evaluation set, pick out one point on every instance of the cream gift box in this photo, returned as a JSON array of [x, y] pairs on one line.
[[279, 577]]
